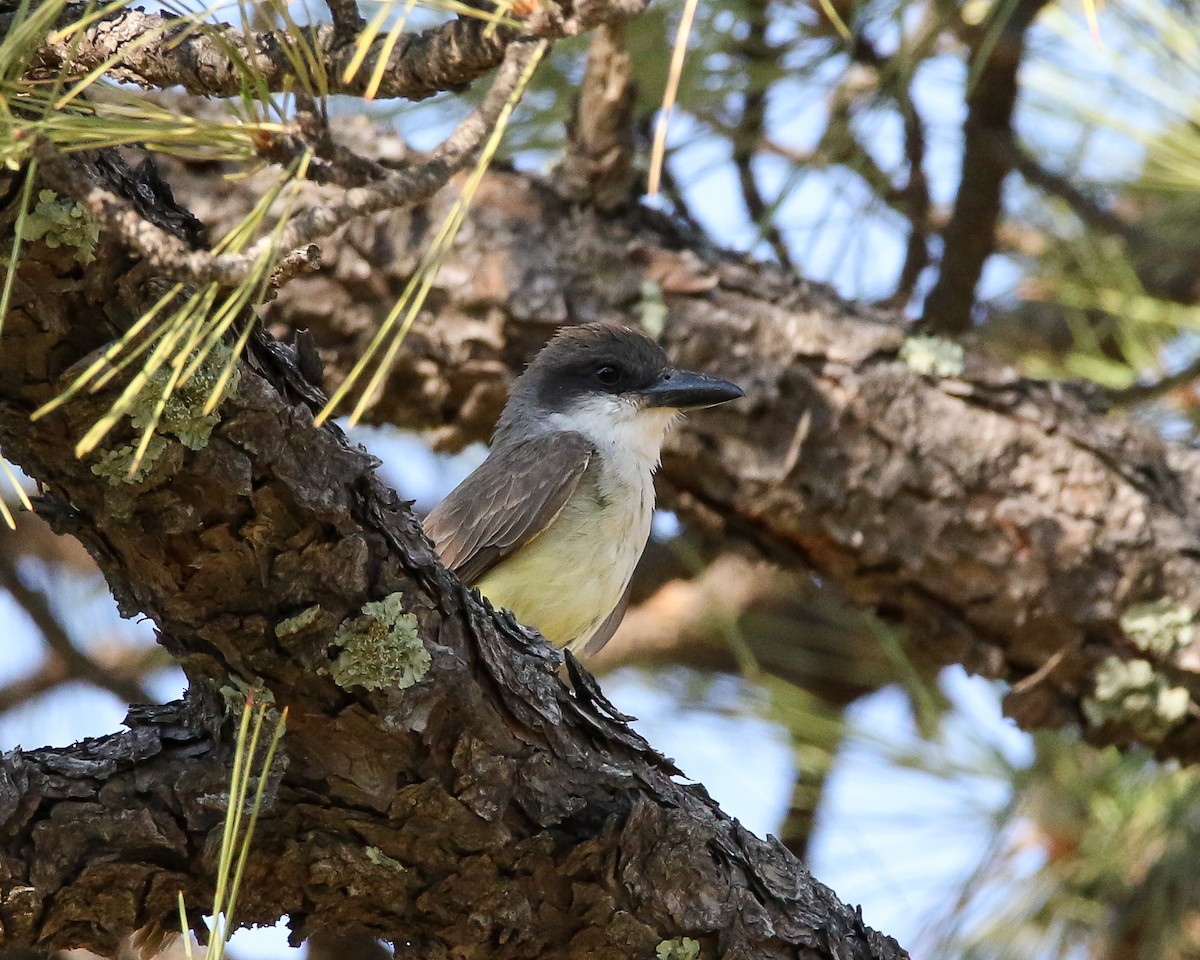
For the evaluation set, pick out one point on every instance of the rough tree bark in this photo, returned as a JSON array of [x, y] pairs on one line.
[[485, 810], [1005, 523]]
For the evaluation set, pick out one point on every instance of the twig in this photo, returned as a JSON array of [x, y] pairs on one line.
[[330, 162], [598, 166], [970, 236], [1143, 392], [916, 200], [674, 193], [125, 664], [748, 134], [401, 188], [78, 664], [347, 21], [1092, 213]]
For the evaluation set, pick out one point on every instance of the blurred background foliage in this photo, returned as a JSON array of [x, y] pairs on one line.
[[866, 163]]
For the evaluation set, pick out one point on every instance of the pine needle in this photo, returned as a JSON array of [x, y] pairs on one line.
[[658, 151], [366, 36], [22, 496], [238, 830], [18, 231], [1091, 9], [385, 52], [105, 360], [835, 18], [186, 337], [25, 35], [413, 298]]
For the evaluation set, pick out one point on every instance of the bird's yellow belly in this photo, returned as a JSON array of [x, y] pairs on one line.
[[569, 579]]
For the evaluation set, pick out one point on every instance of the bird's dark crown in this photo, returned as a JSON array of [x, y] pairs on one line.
[[592, 358]]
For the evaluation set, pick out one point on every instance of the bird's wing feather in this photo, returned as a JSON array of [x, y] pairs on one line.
[[593, 644], [512, 497]]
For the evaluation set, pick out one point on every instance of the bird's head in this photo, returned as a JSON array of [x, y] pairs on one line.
[[613, 384]]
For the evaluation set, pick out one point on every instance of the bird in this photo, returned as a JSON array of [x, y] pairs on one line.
[[553, 522]]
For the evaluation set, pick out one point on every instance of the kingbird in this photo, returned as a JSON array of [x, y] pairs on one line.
[[553, 522]]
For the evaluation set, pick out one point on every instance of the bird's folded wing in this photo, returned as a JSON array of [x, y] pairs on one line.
[[593, 644], [512, 497]]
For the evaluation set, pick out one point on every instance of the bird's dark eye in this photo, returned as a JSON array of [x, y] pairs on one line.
[[608, 374]]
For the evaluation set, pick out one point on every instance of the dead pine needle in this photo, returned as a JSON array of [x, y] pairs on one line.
[[5, 512], [658, 151]]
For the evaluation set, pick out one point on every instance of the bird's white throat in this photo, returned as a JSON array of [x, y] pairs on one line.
[[623, 431]]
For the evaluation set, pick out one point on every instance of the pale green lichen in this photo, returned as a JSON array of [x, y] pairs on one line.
[[652, 309], [182, 417], [114, 464], [1160, 627], [681, 948], [381, 859], [237, 691], [381, 648], [299, 623], [1132, 693], [932, 356], [62, 223]]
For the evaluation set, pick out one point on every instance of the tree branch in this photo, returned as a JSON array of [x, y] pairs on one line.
[[347, 21], [996, 518], [598, 165], [173, 257], [212, 60], [760, 58], [484, 807], [970, 236], [1093, 213], [123, 667], [77, 664]]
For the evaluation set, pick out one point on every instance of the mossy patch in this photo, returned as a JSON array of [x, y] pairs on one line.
[[381, 859], [1160, 627], [299, 623]]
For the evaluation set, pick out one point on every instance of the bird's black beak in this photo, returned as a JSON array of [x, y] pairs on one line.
[[685, 390]]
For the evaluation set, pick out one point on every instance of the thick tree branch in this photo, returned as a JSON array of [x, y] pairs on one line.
[[484, 809], [998, 519]]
